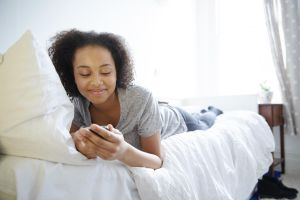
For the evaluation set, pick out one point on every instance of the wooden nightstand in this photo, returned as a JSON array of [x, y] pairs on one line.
[[273, 113]]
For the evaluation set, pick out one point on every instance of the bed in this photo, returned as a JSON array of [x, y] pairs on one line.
[[39, 161], [223, 162]]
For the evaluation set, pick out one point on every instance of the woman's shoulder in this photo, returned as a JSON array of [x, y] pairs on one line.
[[137, 91], [79, 102], [135, 96]]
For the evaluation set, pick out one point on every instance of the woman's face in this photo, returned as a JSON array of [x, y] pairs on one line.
[[95, 73]]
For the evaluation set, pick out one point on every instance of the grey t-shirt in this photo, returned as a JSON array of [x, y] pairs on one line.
[[141, 115]]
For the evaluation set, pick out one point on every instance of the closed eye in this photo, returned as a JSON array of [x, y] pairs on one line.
[[84, 75], [105, 73]]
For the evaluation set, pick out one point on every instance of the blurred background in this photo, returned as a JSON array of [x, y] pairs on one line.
[[181, 48]]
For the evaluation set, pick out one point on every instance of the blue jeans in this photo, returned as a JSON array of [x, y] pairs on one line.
[[198, 121]]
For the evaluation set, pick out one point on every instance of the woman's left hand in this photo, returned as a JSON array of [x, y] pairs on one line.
[[111, 145]]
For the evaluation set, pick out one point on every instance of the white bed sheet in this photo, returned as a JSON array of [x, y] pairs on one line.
[[223, 162]]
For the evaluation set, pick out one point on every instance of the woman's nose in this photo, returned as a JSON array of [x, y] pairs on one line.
[[97, 80]]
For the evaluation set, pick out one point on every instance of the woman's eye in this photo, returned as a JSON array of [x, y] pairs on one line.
[[105, 73], [84, 75]]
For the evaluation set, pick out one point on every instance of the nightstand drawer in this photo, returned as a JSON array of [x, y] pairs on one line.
[[277, 115], [273, 113]]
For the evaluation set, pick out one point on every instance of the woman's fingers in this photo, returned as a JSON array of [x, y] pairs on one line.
[[86, 150], [99, 142], [91, 145], [112, 129], [83, 145], [105, 154], [109, 146], [108, 135]]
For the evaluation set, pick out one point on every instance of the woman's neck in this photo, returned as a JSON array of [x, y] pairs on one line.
[[108, 105], [106, 113]]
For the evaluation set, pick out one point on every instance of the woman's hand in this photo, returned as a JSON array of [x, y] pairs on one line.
[[110, 146], [84, 146]]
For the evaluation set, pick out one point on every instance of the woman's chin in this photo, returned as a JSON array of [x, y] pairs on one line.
[[97, 101], [97, 98]]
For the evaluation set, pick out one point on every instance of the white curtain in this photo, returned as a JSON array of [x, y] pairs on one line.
[[283, 21]]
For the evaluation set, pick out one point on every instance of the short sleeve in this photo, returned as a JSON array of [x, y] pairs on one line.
[[78, 118], [150, 121]]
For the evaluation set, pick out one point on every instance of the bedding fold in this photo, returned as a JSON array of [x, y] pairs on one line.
[[223, 162]]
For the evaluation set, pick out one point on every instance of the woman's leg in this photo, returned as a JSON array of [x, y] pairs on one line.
[[202, 120], [208, 117], [192, 122]]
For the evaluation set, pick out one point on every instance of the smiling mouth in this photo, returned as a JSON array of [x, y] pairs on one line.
[[97, 92]]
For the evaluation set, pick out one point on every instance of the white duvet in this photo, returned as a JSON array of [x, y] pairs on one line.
[[222, 163]]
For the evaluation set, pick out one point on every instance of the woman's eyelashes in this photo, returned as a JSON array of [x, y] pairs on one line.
[[102, 73], [105, 73], [84, 75]]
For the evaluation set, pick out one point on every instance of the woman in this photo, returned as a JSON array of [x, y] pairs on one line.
[[97, 73]]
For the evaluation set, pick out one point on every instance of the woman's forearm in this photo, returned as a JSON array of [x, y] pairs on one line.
[[136, 158]]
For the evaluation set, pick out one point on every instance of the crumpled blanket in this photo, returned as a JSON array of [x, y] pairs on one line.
[[221, 163]]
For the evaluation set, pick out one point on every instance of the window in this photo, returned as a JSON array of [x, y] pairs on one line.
[[244, 58], [206, 48]]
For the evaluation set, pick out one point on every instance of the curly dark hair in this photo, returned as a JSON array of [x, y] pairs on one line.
[[65, 43]]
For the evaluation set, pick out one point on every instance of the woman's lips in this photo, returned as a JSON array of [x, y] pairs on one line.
[[97, 92]]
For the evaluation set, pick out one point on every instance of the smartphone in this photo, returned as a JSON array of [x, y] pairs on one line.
[[105, 127]]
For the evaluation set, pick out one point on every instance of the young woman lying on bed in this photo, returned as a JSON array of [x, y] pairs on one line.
[[97, 73]]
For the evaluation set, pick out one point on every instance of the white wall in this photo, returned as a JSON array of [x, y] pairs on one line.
[[160, 34], [292, 152], [46, 18]]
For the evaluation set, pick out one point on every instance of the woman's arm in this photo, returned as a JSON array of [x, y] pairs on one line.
[[113, 146], [150, 156]]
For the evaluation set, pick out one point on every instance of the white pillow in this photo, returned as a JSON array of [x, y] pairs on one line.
[[35, 111]]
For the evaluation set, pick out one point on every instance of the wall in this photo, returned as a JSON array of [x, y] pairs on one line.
[[292, 152], [160, 34]]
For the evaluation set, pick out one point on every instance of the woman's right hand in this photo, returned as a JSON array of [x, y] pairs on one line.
[[83, 145]]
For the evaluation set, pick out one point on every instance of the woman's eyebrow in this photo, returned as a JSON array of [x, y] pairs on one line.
[[85, 66], [82, 66], [105, 65]]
